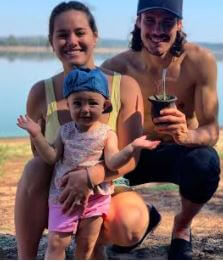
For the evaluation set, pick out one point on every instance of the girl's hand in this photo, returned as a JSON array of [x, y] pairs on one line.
[[75, 190], [28, 124], [173, 122], [143, 143]]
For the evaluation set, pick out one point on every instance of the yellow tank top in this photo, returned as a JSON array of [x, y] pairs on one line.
[[52, 122]]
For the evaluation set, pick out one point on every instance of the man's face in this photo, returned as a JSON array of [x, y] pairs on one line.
[[158, 30]]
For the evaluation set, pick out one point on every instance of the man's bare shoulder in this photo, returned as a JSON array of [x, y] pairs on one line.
[[199, 62], [198, 55], [120, 62]]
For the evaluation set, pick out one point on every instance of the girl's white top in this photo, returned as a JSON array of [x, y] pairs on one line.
[[81, 150]]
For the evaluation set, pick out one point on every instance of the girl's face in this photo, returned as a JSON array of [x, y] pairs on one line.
[[86, 108], [73, 41], [158, 30]]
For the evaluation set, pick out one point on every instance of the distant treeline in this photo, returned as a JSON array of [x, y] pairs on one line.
[[106, 43], [43, 42], [24, 41]]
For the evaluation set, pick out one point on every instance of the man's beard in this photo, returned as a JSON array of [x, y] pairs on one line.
[[155, 53]]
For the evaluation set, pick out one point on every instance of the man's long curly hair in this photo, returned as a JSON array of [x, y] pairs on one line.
[[176, 50]]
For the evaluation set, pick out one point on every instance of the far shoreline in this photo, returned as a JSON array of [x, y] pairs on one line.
[[45, 49], [41, 50]]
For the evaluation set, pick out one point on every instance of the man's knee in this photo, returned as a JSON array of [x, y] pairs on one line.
[[200, 174]]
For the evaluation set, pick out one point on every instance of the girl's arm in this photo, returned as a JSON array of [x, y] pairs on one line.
[[50, 154], [115, 159]]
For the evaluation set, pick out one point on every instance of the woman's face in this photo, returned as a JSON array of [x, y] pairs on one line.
[[73, 41]]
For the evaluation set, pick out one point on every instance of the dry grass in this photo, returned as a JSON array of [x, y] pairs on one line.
[[207, 226]]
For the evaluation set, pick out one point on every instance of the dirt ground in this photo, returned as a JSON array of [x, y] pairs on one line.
[[207, 228]]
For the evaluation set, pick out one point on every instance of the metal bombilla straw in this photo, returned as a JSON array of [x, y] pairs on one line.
[[164, 83]]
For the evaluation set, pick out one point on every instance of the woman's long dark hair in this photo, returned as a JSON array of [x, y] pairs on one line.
[[176, 50], [71, 5]]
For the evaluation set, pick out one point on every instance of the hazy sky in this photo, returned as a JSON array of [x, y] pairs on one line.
[[203, 19]]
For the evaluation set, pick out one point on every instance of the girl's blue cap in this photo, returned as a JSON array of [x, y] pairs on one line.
[[84, 79], [173, 6]]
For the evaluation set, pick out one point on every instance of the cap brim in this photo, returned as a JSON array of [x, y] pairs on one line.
[[162, 8]]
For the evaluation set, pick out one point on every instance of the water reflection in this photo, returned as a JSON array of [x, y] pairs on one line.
[[20, 72], [41, 56]]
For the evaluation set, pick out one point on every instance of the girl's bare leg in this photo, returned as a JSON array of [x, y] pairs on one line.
[[57, 243], [87, 235], [100, 247], [31, 207]]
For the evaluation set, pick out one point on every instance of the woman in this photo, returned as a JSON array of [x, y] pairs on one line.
[[73, 35]]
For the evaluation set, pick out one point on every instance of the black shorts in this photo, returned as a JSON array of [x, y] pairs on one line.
[[196, 170]]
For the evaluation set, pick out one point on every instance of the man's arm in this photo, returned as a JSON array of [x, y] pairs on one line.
[[206, 107], [206, 103]]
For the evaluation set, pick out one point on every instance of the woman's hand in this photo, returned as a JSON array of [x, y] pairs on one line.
[[172, 122], [75, 190]]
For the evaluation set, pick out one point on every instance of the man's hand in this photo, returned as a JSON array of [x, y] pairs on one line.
[[75, 190], [172, 122]]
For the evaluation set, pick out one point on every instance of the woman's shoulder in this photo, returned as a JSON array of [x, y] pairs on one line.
[[38, 88]]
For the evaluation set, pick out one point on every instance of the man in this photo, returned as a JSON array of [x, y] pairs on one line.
[[190, 130]]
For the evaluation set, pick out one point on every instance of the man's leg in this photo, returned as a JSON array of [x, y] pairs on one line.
[[183, 220], [31, 207], [195, 170], [199, 177]]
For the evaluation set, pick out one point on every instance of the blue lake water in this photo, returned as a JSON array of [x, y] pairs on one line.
[[19, 74]]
